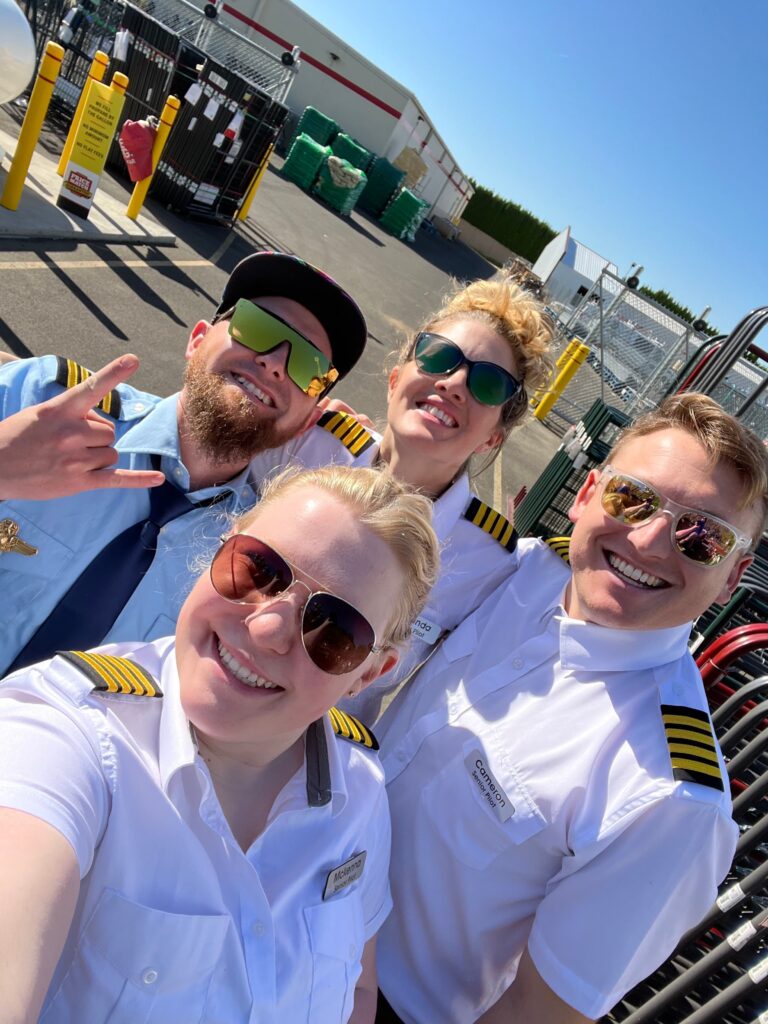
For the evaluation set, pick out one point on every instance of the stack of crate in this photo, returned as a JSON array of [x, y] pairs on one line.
[[384, 179], [404, 215], [304, 160]]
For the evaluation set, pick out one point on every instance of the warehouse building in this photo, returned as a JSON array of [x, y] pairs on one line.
[[379, 112]]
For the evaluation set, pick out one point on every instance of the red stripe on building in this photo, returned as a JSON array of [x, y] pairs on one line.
[[315, 63]]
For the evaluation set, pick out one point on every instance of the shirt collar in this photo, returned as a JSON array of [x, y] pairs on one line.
[[324, 772], [450, 506], [157, 433], [176, 748], [586, 646]]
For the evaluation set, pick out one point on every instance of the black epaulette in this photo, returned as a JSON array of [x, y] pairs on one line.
[[692, 748], [69, 374], [492, 522], [351, 728], [111, 674], [352, 434], [561, 546]]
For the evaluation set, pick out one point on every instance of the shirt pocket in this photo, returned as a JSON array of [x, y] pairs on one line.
[[137, 965], [52, 555], [336, 938], [479, 806]]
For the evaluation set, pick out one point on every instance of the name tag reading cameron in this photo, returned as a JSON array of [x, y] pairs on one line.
[[345, 874], [490, 790]]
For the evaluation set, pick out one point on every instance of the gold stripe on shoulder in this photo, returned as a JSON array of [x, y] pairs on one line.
[[69, 374], [348, 430], [491, 522], [112, 674], [561, 547], [352, 729], [692, 747]]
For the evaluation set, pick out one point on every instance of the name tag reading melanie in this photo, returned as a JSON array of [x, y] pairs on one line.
[[423, 629], [345, 874], [490, 790]]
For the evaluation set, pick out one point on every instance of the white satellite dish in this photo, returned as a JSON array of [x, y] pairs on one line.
[[17, 51]]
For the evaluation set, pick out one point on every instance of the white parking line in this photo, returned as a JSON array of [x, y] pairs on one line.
[[96, 264]]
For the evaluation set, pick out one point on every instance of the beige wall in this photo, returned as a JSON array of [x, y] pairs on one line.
[[484, 244]]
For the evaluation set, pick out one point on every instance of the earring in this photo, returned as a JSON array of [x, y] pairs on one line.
[[351, 693]]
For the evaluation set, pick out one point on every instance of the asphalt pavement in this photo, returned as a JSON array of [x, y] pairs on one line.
[[92, 297]]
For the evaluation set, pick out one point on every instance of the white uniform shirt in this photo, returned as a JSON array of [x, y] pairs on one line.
[[533, 803], [472, 562], [174, 922]]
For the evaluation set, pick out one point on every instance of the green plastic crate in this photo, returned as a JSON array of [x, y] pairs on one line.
[[318, 126], [404, 214], [384, 179], [342, 197], [348, 149], [304, 160]]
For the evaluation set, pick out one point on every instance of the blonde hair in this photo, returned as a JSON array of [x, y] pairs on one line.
[[391, 510], [725, 439]]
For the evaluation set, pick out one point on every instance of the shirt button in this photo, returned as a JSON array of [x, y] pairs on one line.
[[258, 927], [177, 471], [149, 977], [402, 757], [518, 663], [138, 406]]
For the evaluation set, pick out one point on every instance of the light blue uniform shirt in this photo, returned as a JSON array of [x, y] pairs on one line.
[[69, 532]]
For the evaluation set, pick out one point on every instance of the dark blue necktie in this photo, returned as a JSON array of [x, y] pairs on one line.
[[89, 609]]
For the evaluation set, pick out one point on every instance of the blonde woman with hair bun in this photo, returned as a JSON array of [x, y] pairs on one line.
[[460, 386]]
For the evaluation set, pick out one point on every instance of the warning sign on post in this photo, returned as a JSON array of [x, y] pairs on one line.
[[98, 124]]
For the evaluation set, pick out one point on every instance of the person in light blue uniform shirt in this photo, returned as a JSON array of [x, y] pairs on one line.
[[73, 477]]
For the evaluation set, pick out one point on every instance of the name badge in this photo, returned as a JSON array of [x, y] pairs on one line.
[[345, 874], [423, 629], [490, 790]]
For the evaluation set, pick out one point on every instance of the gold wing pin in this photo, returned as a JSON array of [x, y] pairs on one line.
[[10, 542]]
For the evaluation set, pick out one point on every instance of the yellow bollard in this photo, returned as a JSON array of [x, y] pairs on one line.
[[50, 66], [98, 69], [562, 380], [140, 189], [242, 213], [119, 82], [562, 359]]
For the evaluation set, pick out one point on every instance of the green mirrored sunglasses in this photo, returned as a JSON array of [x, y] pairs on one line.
[[261, 331]]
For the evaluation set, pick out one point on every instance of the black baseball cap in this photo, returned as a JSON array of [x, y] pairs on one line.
[[277, 273]]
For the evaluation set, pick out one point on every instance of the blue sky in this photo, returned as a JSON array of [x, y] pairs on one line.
[[643, 125]]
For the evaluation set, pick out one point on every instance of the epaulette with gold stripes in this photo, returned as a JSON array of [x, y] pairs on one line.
[[351, 728], [69, 373], [111, 674], [492, 522], [561, 546], [692, 747], [352, 434]]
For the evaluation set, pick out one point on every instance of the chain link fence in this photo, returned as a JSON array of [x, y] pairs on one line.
[[90, 25], [637, 348]]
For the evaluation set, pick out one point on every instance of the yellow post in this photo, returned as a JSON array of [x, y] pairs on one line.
[[119, 82], [561, 381], [562, 359], [98, 69], [50, 66], [140, 189], [242, 213]]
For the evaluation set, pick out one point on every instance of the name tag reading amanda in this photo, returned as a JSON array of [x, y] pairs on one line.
[[490, 790], [423, 629], [345, 874]]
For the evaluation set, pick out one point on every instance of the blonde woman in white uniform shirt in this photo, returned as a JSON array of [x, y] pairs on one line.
[[216, 854], [460, 385]]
